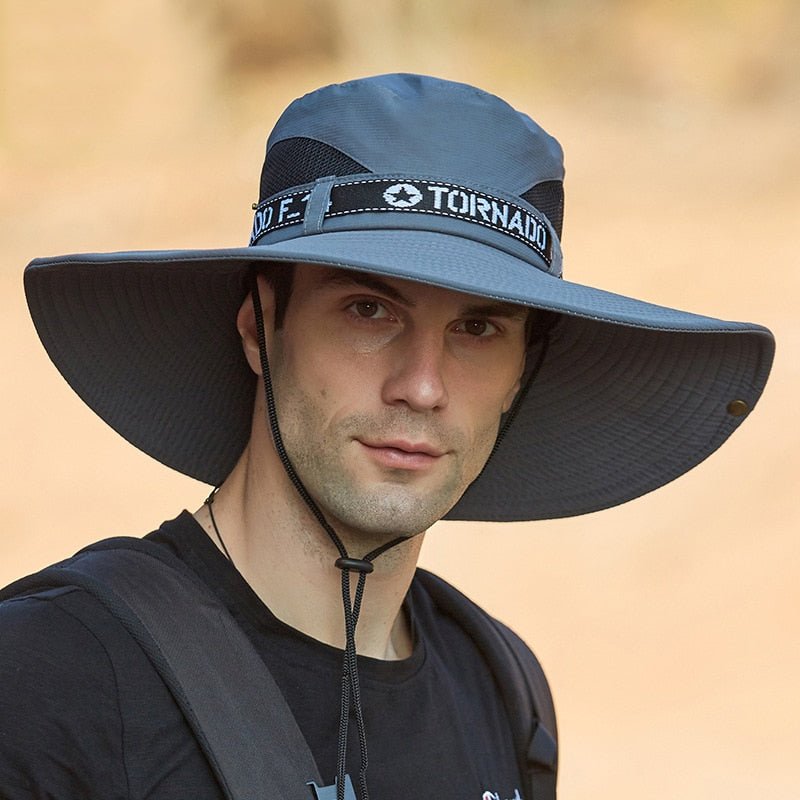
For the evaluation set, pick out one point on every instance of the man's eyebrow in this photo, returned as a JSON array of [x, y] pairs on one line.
[[353, 278], [480, 308]]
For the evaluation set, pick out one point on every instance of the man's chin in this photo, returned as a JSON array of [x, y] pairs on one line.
[[393, 511]]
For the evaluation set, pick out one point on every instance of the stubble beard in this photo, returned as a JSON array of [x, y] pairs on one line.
[[404, 503]]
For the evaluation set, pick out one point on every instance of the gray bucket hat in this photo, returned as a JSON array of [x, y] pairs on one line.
[[427, 180]]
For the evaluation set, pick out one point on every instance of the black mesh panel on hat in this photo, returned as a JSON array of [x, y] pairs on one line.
[[548, 197], [299, 160]]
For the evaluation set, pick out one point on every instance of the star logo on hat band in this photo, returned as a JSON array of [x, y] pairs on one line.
[[402, 195]]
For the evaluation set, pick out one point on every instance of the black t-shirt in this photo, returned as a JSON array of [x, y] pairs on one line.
[[84, 715]]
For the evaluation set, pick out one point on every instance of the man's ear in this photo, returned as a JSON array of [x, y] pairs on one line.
[[246, 321]]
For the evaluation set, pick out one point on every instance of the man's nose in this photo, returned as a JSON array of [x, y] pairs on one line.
[[416, 373]]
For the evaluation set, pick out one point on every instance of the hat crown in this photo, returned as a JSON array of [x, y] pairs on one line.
[[419, 125]]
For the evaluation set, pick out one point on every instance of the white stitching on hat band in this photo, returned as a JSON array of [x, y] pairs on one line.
[[417, 196]]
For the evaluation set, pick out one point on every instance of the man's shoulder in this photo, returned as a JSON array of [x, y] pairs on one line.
[[444, 601], [57, 683], [59, 644], [47, 623], [516, 670], [84, 713], [62, 647], [54, 626]]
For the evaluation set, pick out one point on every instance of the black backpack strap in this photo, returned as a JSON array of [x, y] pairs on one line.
[[228, 696], [521, 681]]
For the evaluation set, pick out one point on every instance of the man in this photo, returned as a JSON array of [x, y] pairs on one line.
[[396, 346]]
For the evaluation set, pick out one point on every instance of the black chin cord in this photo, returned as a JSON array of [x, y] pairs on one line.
[[351, 690]]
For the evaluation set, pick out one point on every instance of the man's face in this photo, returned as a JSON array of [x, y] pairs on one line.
[[389, 394]]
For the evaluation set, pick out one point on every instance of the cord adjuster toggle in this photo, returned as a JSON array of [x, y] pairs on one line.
[[356, 564]]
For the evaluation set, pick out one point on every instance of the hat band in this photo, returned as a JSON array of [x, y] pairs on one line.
[[410, 196]]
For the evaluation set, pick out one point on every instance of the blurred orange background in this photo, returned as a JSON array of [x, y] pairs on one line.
[[669, 626]]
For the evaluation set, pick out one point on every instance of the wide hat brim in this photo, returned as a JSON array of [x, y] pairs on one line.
[[630, 395]]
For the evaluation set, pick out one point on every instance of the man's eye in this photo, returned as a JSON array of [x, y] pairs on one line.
[[477, 327], [370, 309]]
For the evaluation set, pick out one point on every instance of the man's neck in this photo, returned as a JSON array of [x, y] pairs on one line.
[[287, 558]]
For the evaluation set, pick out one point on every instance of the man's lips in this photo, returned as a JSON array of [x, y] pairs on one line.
[[401, 454]]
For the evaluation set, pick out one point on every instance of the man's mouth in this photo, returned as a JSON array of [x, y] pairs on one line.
[[402, 454]]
